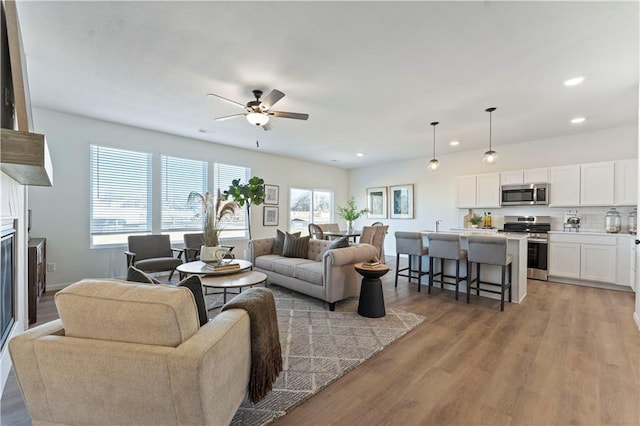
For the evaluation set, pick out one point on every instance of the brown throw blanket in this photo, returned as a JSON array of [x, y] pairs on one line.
[[266, 354]]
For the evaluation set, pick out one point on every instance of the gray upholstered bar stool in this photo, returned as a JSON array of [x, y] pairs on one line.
[[491, 251], [446, 247], [410, 243]]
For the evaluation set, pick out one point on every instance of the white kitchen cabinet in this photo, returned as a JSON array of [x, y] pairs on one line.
[[564, 259], [488, 190], [598, 263], [535, 175], [466, 191], [623, 264], [596, 184], [633, 262], [514, 177], [626, 182], [564, 186]]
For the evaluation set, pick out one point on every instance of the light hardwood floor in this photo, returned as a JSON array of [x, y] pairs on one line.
[[567, 355]]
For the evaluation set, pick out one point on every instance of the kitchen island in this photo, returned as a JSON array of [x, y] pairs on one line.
[[516, 247]]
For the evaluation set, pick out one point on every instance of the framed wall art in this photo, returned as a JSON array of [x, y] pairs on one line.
[[270, 216], [271, 194], [377, 202], [401, 201]]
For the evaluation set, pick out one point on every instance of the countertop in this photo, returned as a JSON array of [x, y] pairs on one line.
[[598, 233], [485, 232]]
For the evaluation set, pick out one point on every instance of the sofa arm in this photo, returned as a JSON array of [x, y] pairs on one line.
[[260, 247], [215, 363], [350, 255]]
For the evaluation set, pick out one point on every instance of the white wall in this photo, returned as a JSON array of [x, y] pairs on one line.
[[434, 192], [61, 213]]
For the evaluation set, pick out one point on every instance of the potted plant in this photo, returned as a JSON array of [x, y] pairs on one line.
[[215, 212], [350, 213], [246, 194], [475, 220]]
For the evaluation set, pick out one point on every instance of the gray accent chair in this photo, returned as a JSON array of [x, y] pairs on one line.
[[410, 244], [153, 253], [445, 247], [490, 251], [192, 244]]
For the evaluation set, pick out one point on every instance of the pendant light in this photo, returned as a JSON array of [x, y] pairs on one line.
[[434, 163], [490, 156]]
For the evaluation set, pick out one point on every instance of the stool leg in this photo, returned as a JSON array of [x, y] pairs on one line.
[[442, 273], [431, 274], [469, 279], [478, 279], [410, 268], [510, 283], [397, 267], [502, 288], [419, 273]]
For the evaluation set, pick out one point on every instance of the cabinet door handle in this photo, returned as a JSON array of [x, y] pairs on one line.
[[637, 242]]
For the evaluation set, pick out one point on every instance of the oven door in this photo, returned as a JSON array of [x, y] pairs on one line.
[[537, 252]]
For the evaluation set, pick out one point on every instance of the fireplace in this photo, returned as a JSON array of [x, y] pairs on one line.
[[8, 281]]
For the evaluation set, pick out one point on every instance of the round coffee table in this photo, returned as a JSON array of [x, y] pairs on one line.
[[238, 280], [371, 303], [200, 268]]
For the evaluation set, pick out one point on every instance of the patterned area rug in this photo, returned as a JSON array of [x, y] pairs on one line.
[[318, 347]]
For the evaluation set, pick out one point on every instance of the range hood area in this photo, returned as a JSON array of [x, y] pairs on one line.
[[24, 156]]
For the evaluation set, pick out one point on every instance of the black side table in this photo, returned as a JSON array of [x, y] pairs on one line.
[[371, 302]]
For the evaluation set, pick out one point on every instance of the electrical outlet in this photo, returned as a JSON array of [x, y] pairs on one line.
[[51, 267]]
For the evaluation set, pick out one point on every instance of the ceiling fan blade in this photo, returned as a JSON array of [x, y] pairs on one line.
[[228, 100], [228, 117], [295, 115], [267, 126], [273, 97]]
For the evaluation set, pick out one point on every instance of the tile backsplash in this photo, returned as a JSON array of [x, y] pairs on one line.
[[592, 218]]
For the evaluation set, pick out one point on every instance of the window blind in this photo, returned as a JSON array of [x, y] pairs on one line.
[[223, 174], [180, 177], [120, 193]]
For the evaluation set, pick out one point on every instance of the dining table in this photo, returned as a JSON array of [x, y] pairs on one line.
[[329, 235]]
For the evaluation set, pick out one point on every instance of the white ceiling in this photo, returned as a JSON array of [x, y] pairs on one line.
[[372, 75]]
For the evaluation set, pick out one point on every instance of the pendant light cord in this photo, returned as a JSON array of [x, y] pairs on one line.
[[490, 111], [434, 124]]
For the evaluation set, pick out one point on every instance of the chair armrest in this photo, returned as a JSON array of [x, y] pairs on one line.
[[131, 256], [178, 251]]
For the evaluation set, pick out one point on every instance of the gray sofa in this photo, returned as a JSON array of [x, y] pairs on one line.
[[326, 274]]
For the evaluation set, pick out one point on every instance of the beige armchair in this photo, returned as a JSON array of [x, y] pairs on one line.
[[149, 364]]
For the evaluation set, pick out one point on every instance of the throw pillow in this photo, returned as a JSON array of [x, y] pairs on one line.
[[136, 275], [278, 244], [194, 284], [295, 246], [339, 243]]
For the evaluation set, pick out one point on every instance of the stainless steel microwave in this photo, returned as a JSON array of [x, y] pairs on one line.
[[521, 195]]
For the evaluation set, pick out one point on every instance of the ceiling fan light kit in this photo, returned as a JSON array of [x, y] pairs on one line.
[[434, 163], [258, 111], [490, 156]]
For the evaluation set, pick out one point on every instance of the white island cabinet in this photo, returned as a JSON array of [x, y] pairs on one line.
[[516, 247]]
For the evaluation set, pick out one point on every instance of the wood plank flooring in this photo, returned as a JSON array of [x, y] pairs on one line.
[[567, 355]]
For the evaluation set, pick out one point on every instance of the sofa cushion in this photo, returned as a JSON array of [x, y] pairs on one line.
[[266, 262], [295, 246], [339, 243], [128, 312], [310, 272], [287, 265], [278, 244]]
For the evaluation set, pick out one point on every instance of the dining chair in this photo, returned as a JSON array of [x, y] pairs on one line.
[[316, 232]]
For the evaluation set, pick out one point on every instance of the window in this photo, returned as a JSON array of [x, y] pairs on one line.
[[180, 177], [223, 174], [309, 206], [120, 194]]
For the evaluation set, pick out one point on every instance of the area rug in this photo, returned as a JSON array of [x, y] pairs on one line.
[[318, 347]]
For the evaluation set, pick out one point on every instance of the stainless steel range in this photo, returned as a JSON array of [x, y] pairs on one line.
[[536, 229]]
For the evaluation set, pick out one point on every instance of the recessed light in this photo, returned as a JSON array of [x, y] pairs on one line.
[[359, 154], [574, 81], [454, 143], [578, 120]]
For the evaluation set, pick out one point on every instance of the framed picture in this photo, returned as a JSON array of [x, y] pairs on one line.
[[271, 194], [270, 217], [377, 202], [401, 201]]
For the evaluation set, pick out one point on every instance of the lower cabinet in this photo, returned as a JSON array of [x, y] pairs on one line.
[[599, 258]]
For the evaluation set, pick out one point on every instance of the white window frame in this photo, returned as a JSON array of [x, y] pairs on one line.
[[312, 207]]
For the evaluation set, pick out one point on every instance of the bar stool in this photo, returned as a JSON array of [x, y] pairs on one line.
[[410, 243], [490, 251], [446, 247]]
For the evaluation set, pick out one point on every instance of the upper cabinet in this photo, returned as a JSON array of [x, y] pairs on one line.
[[596, 184], [514, 177], [519, 177], [478, 191], [626, 182], [564, 186]]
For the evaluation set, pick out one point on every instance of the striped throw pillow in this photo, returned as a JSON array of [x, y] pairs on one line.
[[295, 246]]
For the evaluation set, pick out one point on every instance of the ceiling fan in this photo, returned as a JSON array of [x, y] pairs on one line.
[[259, 111]]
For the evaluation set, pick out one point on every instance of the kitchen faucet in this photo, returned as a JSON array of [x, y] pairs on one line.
[[438, 224]]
